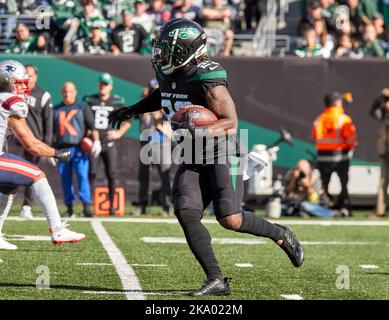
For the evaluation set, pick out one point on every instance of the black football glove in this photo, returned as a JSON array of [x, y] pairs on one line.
[[118, 116], [63, 155]]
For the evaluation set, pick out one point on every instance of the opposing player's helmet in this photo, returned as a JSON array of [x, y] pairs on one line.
[[178, 42], [19, 77]]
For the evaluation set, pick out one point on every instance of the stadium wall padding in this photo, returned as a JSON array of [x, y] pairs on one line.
[[268, 92]]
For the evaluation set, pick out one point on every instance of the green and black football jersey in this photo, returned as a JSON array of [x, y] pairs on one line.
[[101, 110], [189, 86]]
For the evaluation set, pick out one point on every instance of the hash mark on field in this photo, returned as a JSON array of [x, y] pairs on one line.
[[1, 261], [368, 266], [147, 265], [130, 282], [292, 297], [151, 293], [93, 264], [244, 265]]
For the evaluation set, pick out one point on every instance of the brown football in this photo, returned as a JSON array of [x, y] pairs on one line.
[[201, 116], [86, 145]]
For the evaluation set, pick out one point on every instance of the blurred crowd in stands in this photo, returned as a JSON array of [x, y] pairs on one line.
[[327, 28], [344, 28], [123, 26]]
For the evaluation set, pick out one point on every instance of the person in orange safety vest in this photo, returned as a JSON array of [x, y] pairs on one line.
[[335, 137]]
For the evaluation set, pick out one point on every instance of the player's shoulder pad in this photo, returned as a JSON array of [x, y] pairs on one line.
[[118, 99], [208, 70], [15, 105]]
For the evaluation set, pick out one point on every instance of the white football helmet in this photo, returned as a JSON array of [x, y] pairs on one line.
[[19, 77]]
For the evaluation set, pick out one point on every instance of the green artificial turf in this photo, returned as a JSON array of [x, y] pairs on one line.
[[271, 276]]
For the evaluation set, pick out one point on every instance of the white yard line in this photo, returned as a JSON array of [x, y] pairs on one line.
[[368, 266], [292, 297], [19, 237], [130, 282], [244, 265], [1, 261], [313, 222], [178, 240]]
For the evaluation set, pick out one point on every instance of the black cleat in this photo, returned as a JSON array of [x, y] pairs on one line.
[[292, 247], [215, 287]]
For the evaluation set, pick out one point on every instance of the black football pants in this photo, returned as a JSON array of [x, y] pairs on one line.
[[109, 157]]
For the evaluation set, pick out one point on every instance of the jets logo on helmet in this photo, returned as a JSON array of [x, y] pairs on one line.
[[184, 33], [178, 42], [19, 77]]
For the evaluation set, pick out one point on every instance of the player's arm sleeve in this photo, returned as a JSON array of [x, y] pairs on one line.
[[89, 119], [47, 116], [213, 78], [18, 108], [149, 104]]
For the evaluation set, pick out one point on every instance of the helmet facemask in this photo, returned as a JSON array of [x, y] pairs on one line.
[[168, 57], [22, 88]]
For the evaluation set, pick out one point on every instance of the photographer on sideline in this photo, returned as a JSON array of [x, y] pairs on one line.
[[380, 112], [302, 192]]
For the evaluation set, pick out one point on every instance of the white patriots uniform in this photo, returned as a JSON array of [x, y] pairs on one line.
[[14, 170], [10, 104]]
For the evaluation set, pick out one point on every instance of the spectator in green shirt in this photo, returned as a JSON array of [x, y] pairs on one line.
[[25, 42], [329, 13], [372, 46], [367, 10], [312, 49], [112, 10], [64, 11], [64, 17], [90, 16], [378, 22], [383, 7], [95, 44]]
